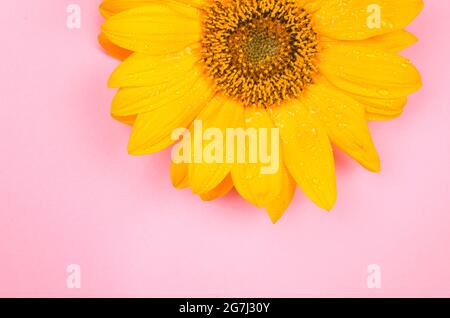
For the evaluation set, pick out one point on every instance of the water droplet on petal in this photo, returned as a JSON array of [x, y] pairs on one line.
[[383, 92]]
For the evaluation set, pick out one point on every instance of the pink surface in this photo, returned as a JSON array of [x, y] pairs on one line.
[[70, 194]]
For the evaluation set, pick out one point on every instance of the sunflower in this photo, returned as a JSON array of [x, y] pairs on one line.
[[318, 70]]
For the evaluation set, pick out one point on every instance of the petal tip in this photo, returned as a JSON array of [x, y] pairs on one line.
[[274, 220], [329, 205], [275, 215], [372, 161], [179, 183], [327, 200], [135, 149]]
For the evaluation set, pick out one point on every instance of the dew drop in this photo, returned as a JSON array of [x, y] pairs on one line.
[[383, 92]]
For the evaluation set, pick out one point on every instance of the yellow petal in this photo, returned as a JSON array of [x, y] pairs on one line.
[[112, 49], [380, 117], [278, 206], [128, 120], [155, 29], [195, 3], [141, 69], [221, 190], [382, 109], [307, 152], [108, 8], [153, 130], [363, 71], [392, 42], [220, 113], [357, 19], [179, 175], [249, 180], [345, 121], [130, 101]]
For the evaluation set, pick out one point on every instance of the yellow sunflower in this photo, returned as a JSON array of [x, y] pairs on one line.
[[317, 70]]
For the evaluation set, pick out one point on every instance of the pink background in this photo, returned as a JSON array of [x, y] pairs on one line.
[[70, 194]]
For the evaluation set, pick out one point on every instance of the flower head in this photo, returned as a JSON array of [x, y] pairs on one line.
[[315, 70]]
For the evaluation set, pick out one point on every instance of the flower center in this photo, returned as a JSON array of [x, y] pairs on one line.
[[261, 52]]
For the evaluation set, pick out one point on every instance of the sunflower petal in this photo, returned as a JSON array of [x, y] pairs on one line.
[[112, 49], [278, 206], [351, 19], [130, 101], [380, 117], [249, 180], [108, 8], [382, 109], [363, 71], [179, 175], [221, 190], [153, 130], [392, 42], [141, 69], [154, 29], [128, 120], [345, 121], [220, 113], [307, 153]]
